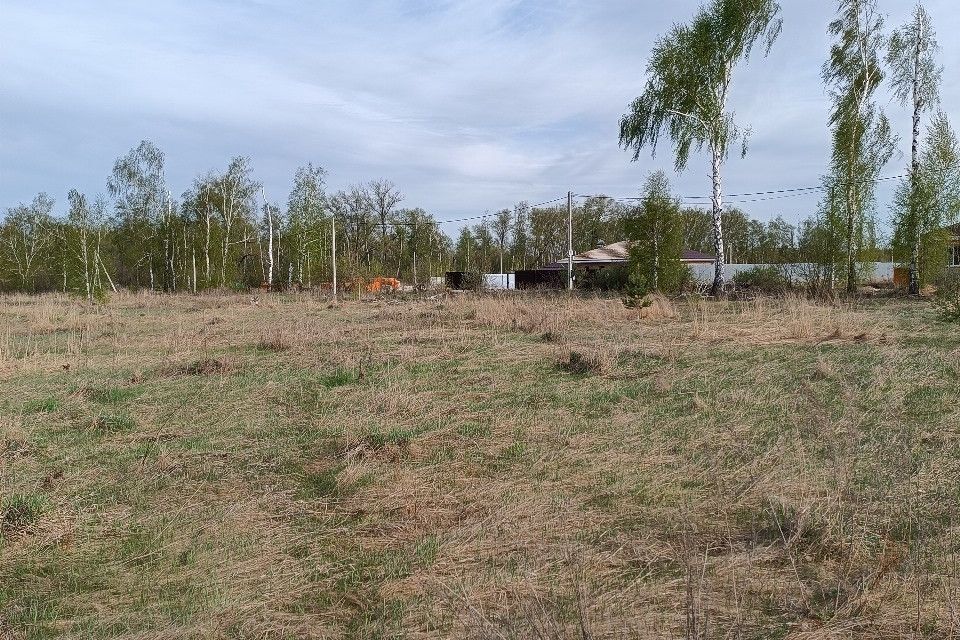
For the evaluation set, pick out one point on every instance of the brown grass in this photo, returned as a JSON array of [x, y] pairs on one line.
[[771, 468]]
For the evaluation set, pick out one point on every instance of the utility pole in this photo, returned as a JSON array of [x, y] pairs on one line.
[[570, 240], [333, 244]]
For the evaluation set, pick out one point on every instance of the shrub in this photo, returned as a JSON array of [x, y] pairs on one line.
[[947, 300], [609, 279], [467, 281], [763, 279]]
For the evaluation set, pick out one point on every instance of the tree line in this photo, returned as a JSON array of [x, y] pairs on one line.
[[224, 233]]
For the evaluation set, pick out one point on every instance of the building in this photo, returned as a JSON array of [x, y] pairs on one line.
[[953, 258], [618, 253]]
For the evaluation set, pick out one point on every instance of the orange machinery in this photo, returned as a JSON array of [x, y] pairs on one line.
[[383, 285]]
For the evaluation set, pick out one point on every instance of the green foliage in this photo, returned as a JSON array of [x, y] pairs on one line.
[[922, 211], [767, 279], [947, 301], [863, 142], [688, 78], [616, 278], [43, 405], [25, 241], [911, 58], [656, 241]]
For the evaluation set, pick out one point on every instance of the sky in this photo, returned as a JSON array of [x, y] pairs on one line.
[[468, 106]]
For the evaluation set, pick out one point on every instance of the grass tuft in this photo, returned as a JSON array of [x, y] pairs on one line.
[[340, 377], [19, 511], [275, 343], [114, 423], [43, 405]]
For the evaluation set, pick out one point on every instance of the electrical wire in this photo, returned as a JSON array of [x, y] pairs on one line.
[[687, 201], [472, 218], [799, 191]]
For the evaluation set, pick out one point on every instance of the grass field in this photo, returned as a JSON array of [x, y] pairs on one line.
[[225, 467]]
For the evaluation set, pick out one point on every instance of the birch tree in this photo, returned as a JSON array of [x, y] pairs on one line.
[[138, 187], [925, 206], [236, 190], [305, 208], [25, 236], [201, 205], [270, 225], [915, 77], [862, 140], [518, 250], [84, 235], [656, 237], [689, 78]]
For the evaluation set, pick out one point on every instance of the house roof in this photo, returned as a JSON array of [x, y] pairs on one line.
[[696, 256], [618, 253]]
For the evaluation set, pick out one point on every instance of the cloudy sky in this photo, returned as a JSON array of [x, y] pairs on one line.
[[468, 105]]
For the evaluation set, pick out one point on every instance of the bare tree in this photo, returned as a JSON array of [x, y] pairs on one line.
[[383, 197], [500, 225]]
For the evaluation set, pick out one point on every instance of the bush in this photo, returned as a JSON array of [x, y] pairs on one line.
[[947, 300], [608, 279], [763, 279]]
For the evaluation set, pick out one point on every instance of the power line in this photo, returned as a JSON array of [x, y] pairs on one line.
[[471, 218], [688, 201], [800, 191]]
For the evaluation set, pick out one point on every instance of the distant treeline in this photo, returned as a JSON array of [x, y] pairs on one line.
[[222, 233]]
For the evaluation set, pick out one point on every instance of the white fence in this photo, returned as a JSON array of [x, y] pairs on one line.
[[797, 273], [500, 281]]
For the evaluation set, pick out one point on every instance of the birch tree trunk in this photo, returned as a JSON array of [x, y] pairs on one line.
[[206, 251], [718, 246], [270, 249], [915, 167]]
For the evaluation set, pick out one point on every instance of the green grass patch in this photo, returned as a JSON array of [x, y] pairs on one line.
[[41, 405], [19, 511], [339, 377], [115, 395], [115, 423]]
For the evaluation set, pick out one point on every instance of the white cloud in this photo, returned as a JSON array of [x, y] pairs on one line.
[[469, 104]]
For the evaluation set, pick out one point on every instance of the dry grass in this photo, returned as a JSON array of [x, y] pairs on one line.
[[515, 467]]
